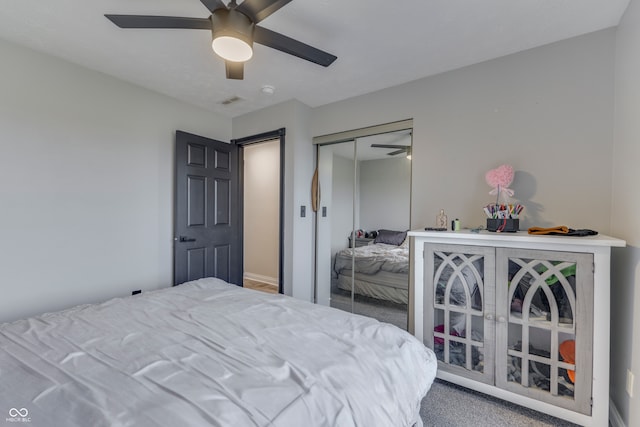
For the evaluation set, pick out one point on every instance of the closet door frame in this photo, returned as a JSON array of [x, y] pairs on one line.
[[350, 136]]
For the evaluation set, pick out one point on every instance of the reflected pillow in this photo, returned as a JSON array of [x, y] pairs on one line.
[[390, 237]]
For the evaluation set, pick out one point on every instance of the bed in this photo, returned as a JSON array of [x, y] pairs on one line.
[[210, 353], [380, 269]]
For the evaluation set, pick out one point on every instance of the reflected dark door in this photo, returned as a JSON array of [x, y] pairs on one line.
[[207, 239]]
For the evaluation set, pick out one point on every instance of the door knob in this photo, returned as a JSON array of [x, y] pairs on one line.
[[187, 239]]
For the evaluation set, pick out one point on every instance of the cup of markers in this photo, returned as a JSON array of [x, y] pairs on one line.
[[503, 217]]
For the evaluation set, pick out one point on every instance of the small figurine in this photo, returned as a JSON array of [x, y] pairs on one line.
[[441, 220]]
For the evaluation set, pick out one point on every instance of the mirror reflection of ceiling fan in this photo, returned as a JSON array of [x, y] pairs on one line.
[[398, 149], [234, 29]]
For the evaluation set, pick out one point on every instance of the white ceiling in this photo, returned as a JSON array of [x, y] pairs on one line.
[[378, 43]]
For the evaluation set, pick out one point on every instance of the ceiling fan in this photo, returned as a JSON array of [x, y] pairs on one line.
[[398, 149], [234, 28]]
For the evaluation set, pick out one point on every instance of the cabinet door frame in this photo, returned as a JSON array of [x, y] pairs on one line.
[[583, 327], [487, 375]]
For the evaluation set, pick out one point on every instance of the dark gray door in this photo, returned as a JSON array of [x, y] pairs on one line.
[[208, 239]]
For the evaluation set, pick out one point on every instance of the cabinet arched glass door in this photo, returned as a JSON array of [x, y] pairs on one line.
[[362, 256], [544, 346]]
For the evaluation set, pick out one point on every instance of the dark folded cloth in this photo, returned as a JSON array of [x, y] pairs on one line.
[[581, 232], [562, 230]]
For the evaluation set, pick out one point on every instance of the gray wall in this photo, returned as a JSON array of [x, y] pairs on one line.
[[299, 166], [385, 193], [548, 112], [625, 218], [86, 183]]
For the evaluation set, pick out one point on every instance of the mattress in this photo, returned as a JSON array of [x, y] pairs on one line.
[[209, 353], [382, 278], [379, 286]]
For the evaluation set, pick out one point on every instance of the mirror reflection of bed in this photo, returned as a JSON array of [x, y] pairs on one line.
[[364, 213], [379, 269]]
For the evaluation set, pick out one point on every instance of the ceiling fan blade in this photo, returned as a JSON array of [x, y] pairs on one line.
[[258, 10], [145, 21], [292, 47], [235, 70], [393, 153], [404, 147], [213, 5]]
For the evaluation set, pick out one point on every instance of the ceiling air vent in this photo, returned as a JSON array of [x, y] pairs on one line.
[[231, 100]]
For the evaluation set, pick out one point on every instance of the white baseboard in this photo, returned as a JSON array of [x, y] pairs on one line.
[[260, 278], [615, 420]]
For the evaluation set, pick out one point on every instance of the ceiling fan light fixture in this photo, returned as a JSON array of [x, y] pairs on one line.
[[232, 35], [232, 49]]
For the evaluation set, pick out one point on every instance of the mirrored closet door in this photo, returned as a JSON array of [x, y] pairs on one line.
[[363, 214]]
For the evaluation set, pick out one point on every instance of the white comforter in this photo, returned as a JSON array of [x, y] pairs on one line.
[[209, 353]]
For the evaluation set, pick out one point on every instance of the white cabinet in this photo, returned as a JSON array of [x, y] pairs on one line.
[[513, 315]]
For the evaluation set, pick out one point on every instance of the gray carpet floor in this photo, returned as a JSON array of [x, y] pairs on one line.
[[446, 404]]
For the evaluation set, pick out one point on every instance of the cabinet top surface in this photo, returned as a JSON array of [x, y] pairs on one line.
[[496, 239]]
